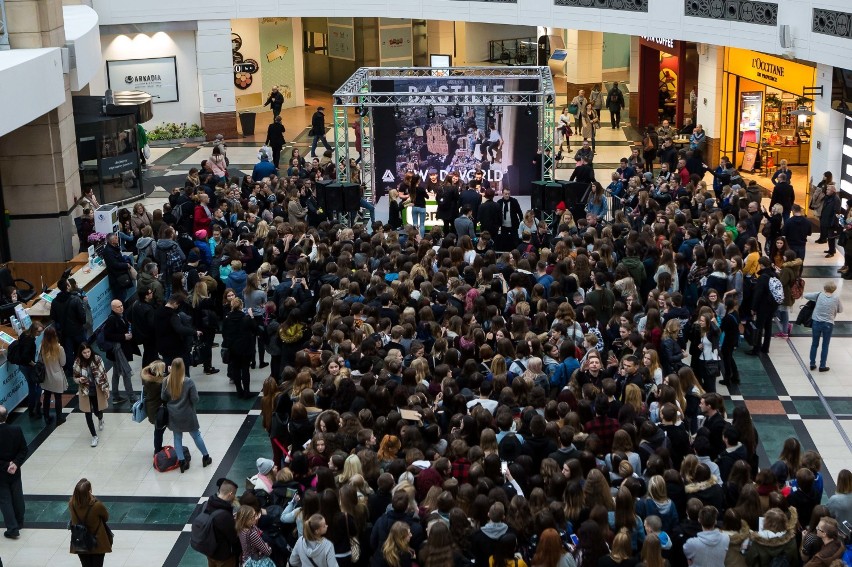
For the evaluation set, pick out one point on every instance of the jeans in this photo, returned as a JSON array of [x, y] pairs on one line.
[[365, 204], [418, 217], [824, 330], [33, 388], [783, 315], [196, 436], [316, 140], [93, 403], [799, 250]]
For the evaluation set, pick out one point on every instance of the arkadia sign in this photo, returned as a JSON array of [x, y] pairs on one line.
[[156, 76]]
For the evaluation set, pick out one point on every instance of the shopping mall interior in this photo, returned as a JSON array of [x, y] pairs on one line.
[[766, 85]]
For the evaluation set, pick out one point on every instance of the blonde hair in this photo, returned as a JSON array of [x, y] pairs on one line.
[[176, 377], [246, 518]]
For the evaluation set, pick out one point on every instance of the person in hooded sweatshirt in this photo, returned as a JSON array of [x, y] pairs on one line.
[[654, 527], [485, 539], [313, 549], [710, 546], [776, 538], [236, 280]]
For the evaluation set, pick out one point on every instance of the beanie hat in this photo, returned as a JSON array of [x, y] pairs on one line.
[[264, 466]]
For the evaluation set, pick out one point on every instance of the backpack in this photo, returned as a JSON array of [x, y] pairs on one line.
[[776, 288], [103, 344], [13, 355], [203, 537], [174, 262], [82, 540], [797, 288], [166, 459]]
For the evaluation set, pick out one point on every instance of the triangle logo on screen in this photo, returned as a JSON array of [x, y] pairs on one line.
[[388, 177]]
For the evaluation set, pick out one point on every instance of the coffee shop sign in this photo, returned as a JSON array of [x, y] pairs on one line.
[[659, 41]]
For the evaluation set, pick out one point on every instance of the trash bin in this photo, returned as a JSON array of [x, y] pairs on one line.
[[247, 120]]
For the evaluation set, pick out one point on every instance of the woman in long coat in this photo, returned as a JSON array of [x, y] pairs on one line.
[[53, 356], [152, 387], [86, 509], [93, 387], [181, 396]]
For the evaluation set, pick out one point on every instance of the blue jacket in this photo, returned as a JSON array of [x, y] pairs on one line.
[[263, 168], [237, 281]]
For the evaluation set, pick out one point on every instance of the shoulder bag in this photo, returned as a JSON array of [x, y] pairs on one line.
[[82, 540], [138, 412]]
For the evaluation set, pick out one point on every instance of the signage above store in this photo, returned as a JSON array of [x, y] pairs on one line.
[[846, 169], [660, 43], [156, 76], [783, 74]]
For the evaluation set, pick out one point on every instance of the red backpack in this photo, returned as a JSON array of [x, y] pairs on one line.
[[166, 459]]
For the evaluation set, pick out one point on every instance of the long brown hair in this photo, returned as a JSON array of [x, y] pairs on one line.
[[82, 497], [50, 345], [549, 551], [177, 373]]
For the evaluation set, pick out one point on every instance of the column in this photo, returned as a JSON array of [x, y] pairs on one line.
[[38, 162], [633, 85], [827, 132], [216, 97], [709, 104], [585, 61], [440, 37]]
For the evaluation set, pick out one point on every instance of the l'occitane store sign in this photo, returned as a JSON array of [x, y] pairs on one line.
[[782, 74]]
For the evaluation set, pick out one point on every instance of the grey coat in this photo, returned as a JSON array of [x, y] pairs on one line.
[[182, 417]]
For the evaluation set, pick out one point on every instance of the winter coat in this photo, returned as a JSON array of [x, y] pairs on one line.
[[161, 253], [138, 222], [484, 540], [115, 329], [735, 558], [95, 517], [227, 541], [238, 333], [666, 511], [151, 391], [115, 263], [146, 280], [789, 272], [172, 332], [69, 315], [237, 281], [98, 379], [54, 380], [762, 300], [709, 492], [825, 556], [382, 527], [182, 416], [766, 545]]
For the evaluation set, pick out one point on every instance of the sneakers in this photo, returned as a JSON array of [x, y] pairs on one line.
[[789, 329], [95, 441], [101, 425], [780, 335]]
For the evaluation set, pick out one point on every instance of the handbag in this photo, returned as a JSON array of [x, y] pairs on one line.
[[123, 280], [196, 357], [82, 540], [711, 368], [39, 372], [278, 426], [137, 412], [162, 419], [354, 543], [573, 109], [806, 314], [259, 562]]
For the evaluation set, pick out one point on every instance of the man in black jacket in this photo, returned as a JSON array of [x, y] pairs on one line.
[[763, 308], [472, 198], [275, 139], [783, 194], [13, 453], [228, 548], [615, 104], [318, 131], [117, 266], [118, 333], [489, 215], [142, 318], [734, 451], [69, 315], [797, 230], [173, 331], [511, 216], [399, 512], [828, 222]]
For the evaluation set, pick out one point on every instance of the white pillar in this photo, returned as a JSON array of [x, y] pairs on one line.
[[827, 131], [585, 60], [216, 97], [710, 63]]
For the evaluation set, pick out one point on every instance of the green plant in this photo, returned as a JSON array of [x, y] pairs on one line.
[[173, 131], [773, 100], [802, 100]]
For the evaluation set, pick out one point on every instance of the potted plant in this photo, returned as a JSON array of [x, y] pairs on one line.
[[98, 240], [773, 100], [170, 133]]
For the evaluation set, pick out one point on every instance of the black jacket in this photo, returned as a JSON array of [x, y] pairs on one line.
[[515, 213], [172, 333], [238, 333], [142, 318], [727, 459], [489, 217], [831, 207], [69, 315], [382, 527], [115, 263], [762, 300], [784, 195], [115, 329], [797, 229], [227, 540], [275, 135], [615, 99], [13, 449], [473, 199], [448, 202], [318, 124]]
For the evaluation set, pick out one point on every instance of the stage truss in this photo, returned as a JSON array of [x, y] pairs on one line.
[[355, 94]]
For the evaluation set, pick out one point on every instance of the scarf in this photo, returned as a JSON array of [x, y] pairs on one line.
[[206, 211]]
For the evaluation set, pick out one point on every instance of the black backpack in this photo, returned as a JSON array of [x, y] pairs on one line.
[[82, 540], [13, 354], [203, 537]]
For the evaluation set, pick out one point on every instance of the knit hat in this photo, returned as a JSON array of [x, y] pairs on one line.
[[201, 234], [561, 206], [264, 466]]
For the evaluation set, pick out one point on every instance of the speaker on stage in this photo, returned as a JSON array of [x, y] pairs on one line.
[[554, 193], [320, 190], [537, 195], [351, 197], [575, 197], [334, 198]]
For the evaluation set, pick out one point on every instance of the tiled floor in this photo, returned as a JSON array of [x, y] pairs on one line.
[[150, 510]]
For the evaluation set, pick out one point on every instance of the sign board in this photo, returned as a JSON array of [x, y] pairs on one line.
[[782, 74], [749, 157], [660, 44], [341, 39], [156, 76]]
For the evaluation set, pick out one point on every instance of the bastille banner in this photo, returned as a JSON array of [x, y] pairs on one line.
[[500, 140]]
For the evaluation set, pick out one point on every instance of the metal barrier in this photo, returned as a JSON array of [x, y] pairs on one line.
[[518, 51]]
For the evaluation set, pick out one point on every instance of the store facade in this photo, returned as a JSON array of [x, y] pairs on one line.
[[668, 73], [764, 113]]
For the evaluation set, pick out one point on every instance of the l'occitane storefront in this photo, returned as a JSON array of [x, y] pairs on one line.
[[760, 92]]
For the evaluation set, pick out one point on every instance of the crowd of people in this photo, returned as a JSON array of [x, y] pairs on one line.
[[494, 391]]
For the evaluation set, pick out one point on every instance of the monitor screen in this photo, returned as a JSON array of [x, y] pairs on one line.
[[440, 60], [558, 55]]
